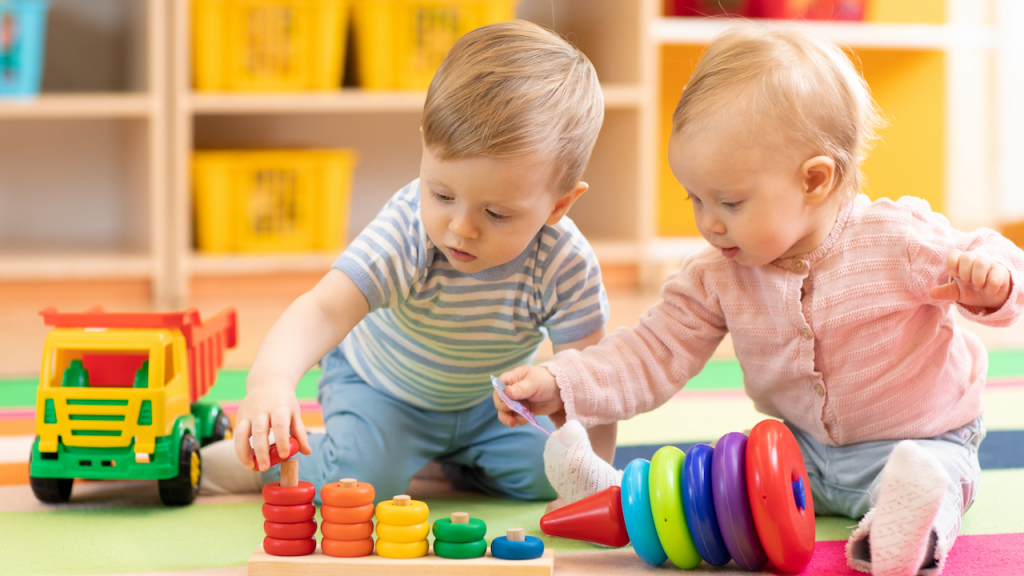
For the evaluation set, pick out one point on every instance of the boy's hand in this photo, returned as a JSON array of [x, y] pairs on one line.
[[975, 280], [269, 404], [535, 387]]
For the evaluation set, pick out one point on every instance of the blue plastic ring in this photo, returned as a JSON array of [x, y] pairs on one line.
[[636, 511], [699, 505], [502, 547]]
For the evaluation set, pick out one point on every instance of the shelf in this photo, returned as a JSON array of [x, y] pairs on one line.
[[616, 251], [667, 249], [683, 30], [258, 264], [30, 265], [86, 105]]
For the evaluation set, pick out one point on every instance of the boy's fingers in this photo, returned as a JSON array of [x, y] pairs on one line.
[[299, 432], [242, 450], [281, 435], [945, 292], [260, 442]]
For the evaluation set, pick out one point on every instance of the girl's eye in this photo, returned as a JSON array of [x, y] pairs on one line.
[[730, 204], [693, 199], [496, 217]]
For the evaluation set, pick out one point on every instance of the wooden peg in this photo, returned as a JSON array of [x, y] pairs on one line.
[[348, 482], [516, 535], [289, 473], [402, 500], [460, 517]]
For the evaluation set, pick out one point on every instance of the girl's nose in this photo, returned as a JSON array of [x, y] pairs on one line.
[[711, 224]]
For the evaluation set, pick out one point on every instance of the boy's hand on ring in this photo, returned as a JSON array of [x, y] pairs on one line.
[[975, 280]]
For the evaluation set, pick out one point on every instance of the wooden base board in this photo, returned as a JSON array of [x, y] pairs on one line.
[[317, 564]]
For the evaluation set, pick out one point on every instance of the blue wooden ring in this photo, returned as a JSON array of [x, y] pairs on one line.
[[732, 506], [699, 505], [502, 547], [636, 511]]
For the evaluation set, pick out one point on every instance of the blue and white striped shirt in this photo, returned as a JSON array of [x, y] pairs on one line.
[[433, 334]]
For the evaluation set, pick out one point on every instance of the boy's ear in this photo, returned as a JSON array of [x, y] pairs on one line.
[[818, 175], [565, 202]]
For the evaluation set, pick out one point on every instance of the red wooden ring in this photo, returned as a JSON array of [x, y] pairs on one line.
[[337, 495], [346, 548], [276, 547], [348, 532], [773, 463], [289, 514], [348, 514], [296, 531], [274, 493]]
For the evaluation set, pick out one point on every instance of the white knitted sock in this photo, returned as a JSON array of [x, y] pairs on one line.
[[900, 525], [224, 474], [573, 468]]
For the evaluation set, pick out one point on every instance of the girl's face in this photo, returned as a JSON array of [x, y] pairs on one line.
[[750, 196]]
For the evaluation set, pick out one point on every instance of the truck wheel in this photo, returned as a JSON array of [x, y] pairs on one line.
[[51, 490], [222, 429], [183, 488]]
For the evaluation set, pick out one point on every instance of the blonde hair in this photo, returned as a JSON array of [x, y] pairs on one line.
[[791, 82], [515, 89]]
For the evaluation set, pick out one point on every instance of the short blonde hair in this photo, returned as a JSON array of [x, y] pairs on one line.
[[515, 89], [792, 82]]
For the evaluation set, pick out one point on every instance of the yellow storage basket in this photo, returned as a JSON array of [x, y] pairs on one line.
[[272, 200], [399, 44], [269, 45]]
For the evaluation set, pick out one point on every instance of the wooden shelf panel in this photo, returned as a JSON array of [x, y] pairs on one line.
[[75, 266], [683, 30], [257, 264], [669, 249], [85, 105]]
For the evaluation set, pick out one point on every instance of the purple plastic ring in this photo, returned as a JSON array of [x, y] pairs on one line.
[[732, 506]]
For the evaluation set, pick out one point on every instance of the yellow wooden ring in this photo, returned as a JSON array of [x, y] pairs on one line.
[[415, 513], [402, 550], [403, 534]]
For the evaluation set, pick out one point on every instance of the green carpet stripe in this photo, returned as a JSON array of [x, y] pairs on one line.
[[1005, 363]]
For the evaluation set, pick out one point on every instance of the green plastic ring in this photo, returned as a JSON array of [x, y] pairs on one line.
[[666, 490], [460, 550], [445, 531]]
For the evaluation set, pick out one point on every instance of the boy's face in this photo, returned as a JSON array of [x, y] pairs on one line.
[[482, 212], [747, 194]]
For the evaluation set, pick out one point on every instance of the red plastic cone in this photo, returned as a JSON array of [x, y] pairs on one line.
[[597, 518]]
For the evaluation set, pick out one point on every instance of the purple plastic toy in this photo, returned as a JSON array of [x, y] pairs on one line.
[[732, 505]]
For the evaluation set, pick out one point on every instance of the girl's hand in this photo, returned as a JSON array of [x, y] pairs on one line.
[[535, 387], [975, 280], [269, 404]]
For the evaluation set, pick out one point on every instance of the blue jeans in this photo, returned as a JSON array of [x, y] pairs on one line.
[[845, 480], [377, 438]]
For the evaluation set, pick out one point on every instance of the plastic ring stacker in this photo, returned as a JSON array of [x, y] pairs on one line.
[[460, 550], [445, 531], [699, 505], [288, 514], [636, 511], [337, 495], [336, 531], [666, 489], [415, 513], [402, 550], [732, 506], [273, 493], [776, 482], [503, 548], [403, 534], [346, 515], [277, 547], [290, 531], [347, 548]]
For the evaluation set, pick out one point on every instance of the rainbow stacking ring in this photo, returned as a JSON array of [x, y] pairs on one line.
[[528, 549], [636, 511], [732, 506], [667, 507], [699, 504]]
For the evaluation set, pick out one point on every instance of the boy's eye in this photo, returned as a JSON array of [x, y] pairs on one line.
[[442, 197], [495, 216]]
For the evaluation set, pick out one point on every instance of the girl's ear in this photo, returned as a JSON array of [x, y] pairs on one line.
[[818, 176], [565, 202]]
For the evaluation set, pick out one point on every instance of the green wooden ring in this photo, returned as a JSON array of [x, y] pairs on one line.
[[460, 550], [666, 490], [445, 531]]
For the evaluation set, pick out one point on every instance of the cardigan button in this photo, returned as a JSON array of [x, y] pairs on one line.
[[807, 334], [799, 265], [819, 389]]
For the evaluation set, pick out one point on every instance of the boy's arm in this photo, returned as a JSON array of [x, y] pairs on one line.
[[602, 436], [309, 328]]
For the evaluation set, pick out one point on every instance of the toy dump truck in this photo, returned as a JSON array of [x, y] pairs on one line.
[[119, 399]]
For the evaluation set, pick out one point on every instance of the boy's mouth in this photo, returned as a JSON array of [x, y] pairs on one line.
[[460, 255]]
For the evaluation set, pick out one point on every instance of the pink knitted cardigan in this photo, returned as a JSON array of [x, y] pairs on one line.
[[864, 355]]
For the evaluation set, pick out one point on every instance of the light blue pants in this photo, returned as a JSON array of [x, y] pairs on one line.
[[845, 480], [375, 437]]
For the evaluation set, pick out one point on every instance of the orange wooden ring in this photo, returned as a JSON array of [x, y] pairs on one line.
[[347, 548], [350, 532], [288, 514], [274, 493], [296, 531], [276, 547], [337, 495], [348, 514]]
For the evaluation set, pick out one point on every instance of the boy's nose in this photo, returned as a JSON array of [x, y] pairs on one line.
[[462, 227]]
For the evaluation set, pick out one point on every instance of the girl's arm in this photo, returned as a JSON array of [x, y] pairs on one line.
[[602, 436], [309, 328]]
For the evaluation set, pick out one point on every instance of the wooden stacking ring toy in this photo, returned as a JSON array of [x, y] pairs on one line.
[[402, 534], [274, 493], [666, 490], [346, 515], [636, 510], [402, 550], [460, 550], [415, 512], [516, 545], [448, 531], [288, 514], [278, 547], [338, 531], [774, 469], [295, 531], [732, 505], [347, 493], [346, 548], [699, 504]]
